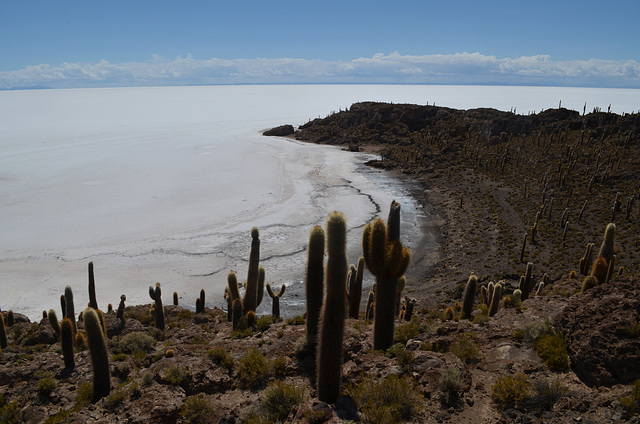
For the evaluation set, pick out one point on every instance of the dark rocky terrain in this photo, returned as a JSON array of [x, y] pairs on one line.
[[563, 355]]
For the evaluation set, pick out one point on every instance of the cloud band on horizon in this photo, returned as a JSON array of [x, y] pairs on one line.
[[459, 68]]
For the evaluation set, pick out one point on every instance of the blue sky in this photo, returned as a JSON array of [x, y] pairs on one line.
[[138, 42]]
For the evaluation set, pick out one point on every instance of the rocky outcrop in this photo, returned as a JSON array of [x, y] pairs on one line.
[[601, 330], [281, 131]]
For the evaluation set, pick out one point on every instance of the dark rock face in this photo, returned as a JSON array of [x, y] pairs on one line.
[[281, 131], [598, 326]]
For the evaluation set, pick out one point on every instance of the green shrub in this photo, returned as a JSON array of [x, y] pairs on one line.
[[132, 342], [408, 331], [45, 386], [390, 400], [467, 349], [252, 368], [174, 375], [403, 356], [84, 394], [186, 314], [9, 412], [552, 349], [510, 390], [264, 322], [114, 399], [631, 402], [279, 367], [548, 392], [297, 320], [450, 384], [529, 333], [197, 409], [280, 398], [220, 356], [634, 330]]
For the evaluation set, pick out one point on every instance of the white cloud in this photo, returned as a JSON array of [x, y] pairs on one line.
[[459, 68]]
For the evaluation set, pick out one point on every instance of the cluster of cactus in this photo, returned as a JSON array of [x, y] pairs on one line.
[[158, 309], [387, 259], [200, 302], [526, 282], [585, 261], [406, 310], [331, 326], [602, 269]]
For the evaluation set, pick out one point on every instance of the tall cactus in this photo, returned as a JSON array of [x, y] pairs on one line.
[[69, 309], [275, 309], [53, 321], [93, 303], [469, 296], [329, 362], [527, 284], [99, 354], [495, 299], [156, 295], [251, 294], [607, 247], [314, 283], [387, 259], [66, 342]]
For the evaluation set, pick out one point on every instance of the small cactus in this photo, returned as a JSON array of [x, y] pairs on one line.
[[495, 299], [355, 291], [156, 295], [53, 321], [236, 313], [175, 299], [589, 283], [607, 247], [3, 333], [329, 361], [69, 308], [99, 354], [314, 282], [120, 311], [275, 309], [469, 296], [370, 309], [93, 303], [10, 319], [200, 302], [409, 307], [234, 290], [66, 342], [527, 285]]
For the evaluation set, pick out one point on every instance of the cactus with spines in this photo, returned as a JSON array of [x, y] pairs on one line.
[[331, 330], [610, 269], [93, 303], [585, 261], [589, 283], [314, 283], [541, 288], [409, 307], [69, 309], [355, 292], [524, 247], [351, 276], [370, 309], [495, 299], [158, 314], [99, 354], [53, 321], [232, 285], [200, 302], [261, 279], [402, 281], [387, 259], [3, 333], [517, 295], [275, 309], [527, 284], [175, 299], [251, 319], [227, 297], [251, 293], [600, 270], [120, 311], [66, 342], [469, 296], [236, 313], [490, 288], [607, 247]]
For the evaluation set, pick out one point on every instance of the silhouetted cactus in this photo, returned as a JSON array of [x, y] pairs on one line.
[[175, 299], [10, 318], [387, 259], [3, 333], [495, 299], [275, 309], [69, 309], [261, 279], [468, 297], [314, 283], [251, 293], [355, 291], [156, 295], [329, 362], [63, 306], [370, 309], [527, 284], [200, 302], [66, 342], [53, 321], [93, 303], [409, 307], [99, 354], [120, 311]]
